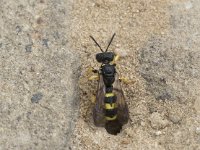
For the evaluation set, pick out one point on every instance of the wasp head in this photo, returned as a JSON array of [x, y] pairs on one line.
[[105, 57]]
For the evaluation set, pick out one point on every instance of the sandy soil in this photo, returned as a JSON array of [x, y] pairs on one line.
[[158, 40]]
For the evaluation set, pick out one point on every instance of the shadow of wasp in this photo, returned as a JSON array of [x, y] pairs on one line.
[[110, 110]]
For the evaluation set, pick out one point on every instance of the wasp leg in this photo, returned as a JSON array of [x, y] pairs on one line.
[[94, 77], [95, 71], [91, 70], [125, 80], [93, 99], [116, 58]]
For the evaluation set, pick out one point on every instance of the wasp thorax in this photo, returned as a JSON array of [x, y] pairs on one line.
[[105, 57], [108, 72]]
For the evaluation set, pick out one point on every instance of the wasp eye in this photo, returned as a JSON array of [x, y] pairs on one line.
[[109, 56], [99, 57]]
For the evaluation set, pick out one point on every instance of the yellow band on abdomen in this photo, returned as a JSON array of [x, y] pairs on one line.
[[111, 118], [109, 106], [109, 94]]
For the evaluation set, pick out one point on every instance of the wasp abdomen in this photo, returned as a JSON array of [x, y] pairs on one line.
[[110, 106]]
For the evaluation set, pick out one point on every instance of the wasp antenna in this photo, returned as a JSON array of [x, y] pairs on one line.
[[96, 43], [110, 42]]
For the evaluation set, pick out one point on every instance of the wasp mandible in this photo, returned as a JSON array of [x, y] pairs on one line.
[[110, 110]]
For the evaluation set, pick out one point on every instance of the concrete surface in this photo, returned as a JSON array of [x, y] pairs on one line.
[[38, 77], [43, 43]]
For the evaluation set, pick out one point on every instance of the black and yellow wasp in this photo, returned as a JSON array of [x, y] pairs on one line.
[[110, 110]]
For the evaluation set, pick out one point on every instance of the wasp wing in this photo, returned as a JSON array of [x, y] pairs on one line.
[[98, 111], [122, 108]]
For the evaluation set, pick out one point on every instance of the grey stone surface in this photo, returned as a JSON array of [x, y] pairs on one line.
[[171, 63], [38, 75]]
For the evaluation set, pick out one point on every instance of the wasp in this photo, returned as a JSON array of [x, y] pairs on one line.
[[110, 110]]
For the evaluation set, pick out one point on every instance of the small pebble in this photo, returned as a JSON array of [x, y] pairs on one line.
[[41, 1], [36, 97], [39, 20], [188, 5], [164, 95], [157, 133], [152, 109], [157, 121], [143, 123], [197, 104], [137, 11], [28, 114], [28, 48], [198, 130], [121, 53], [162, 33], [125, 142], [18, 29], [45, 42], [174, 118], [19, 118]]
